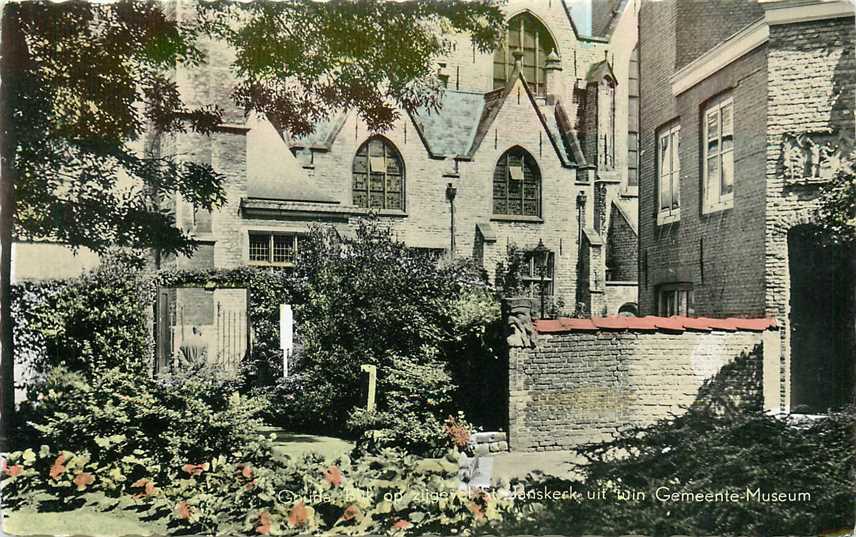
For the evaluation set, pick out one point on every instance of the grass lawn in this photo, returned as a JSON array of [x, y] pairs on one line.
[[83, 521], [295, 445]]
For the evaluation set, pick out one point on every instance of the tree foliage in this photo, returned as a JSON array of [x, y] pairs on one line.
[[299, 61], [92, 80], [836, 213]]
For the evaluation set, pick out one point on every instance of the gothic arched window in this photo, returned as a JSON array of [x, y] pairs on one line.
[[517, 184], [526, 34], [378, 175]]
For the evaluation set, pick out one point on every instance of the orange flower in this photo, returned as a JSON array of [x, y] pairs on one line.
[[83, 479], [402, 524], [194, 469], [58, 467], [351, 512], [476, 510], [250, 485], [147, 485], [182, 510], [247, 472], [333, 476], [299, 515], [14, 471], [264, 523]]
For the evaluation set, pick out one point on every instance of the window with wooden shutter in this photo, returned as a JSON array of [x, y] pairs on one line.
[[668, 174]]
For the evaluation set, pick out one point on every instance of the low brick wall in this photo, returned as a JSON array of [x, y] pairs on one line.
[[573, 381]]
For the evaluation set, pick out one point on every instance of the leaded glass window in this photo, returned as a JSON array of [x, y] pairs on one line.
[[517, 184], [524, 33], [378, 176], [279, 249]]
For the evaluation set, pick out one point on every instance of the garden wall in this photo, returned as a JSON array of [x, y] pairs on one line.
[[573, 381]]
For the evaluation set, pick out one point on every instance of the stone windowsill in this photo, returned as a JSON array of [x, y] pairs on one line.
[[668, 217], [722, 206], [379, 212], [517, 218]]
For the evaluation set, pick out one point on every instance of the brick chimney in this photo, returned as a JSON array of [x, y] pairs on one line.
[[553, 83]]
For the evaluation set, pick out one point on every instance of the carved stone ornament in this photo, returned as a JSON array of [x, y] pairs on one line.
[[809, 158], [520, 330]]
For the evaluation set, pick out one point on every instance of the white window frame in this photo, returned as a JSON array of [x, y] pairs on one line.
[[672, 213], [271, 236], [682, 300], [713, 200]]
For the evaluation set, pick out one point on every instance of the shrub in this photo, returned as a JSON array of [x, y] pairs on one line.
[[369, 299], [101, 320], [164, 422], [385, 493], [417, 397], [88, 324], [709, 451]]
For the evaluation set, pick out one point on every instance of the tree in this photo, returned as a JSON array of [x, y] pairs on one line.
[[836, 212], [86, 93]]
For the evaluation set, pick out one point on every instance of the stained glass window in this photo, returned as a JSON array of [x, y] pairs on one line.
[[517, 184], [378, 176]]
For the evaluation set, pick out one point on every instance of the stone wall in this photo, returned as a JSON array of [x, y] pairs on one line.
[[579, 380], [812, 102]]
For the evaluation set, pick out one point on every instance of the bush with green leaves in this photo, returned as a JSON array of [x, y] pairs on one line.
[[164, 422], [369, 299], [88, 324], [102, 319], [706, 450], [389, 492]]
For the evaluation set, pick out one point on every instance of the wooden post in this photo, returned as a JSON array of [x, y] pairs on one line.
[[371, 373], [286, 335]]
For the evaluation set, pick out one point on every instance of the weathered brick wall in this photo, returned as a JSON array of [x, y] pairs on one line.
[[802, 100], [702, 24], [718, 253], [622, 246], [583, 386]]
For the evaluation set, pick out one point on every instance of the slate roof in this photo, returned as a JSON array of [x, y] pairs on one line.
[[652, 324], [450, 130], [288, 187], [323, 136], [464, 119]]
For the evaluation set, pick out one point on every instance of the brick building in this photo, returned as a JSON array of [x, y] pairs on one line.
[[538, 141], [747, 107]]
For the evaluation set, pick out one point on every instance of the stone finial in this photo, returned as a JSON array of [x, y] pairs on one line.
[[518, 57], [553, 86]]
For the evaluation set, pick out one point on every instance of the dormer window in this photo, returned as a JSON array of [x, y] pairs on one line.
[[526, 34]]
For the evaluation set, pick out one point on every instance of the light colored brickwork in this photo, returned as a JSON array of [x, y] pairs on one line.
[[425, 220], [582, 387]]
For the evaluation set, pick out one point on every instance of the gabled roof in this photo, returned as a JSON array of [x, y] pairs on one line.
[[323, 136], [601, 70], [564, 140], [627, 215], [451, 129], [463, 120]]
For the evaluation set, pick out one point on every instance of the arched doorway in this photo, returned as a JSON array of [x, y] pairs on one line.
[[821, 322]]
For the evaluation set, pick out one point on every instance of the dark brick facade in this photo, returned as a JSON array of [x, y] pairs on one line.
[[798, 81]]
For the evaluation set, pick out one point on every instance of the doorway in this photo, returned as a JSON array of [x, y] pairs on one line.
[[821, 323]]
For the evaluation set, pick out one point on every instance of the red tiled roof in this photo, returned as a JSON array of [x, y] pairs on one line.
[[672, 324]]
